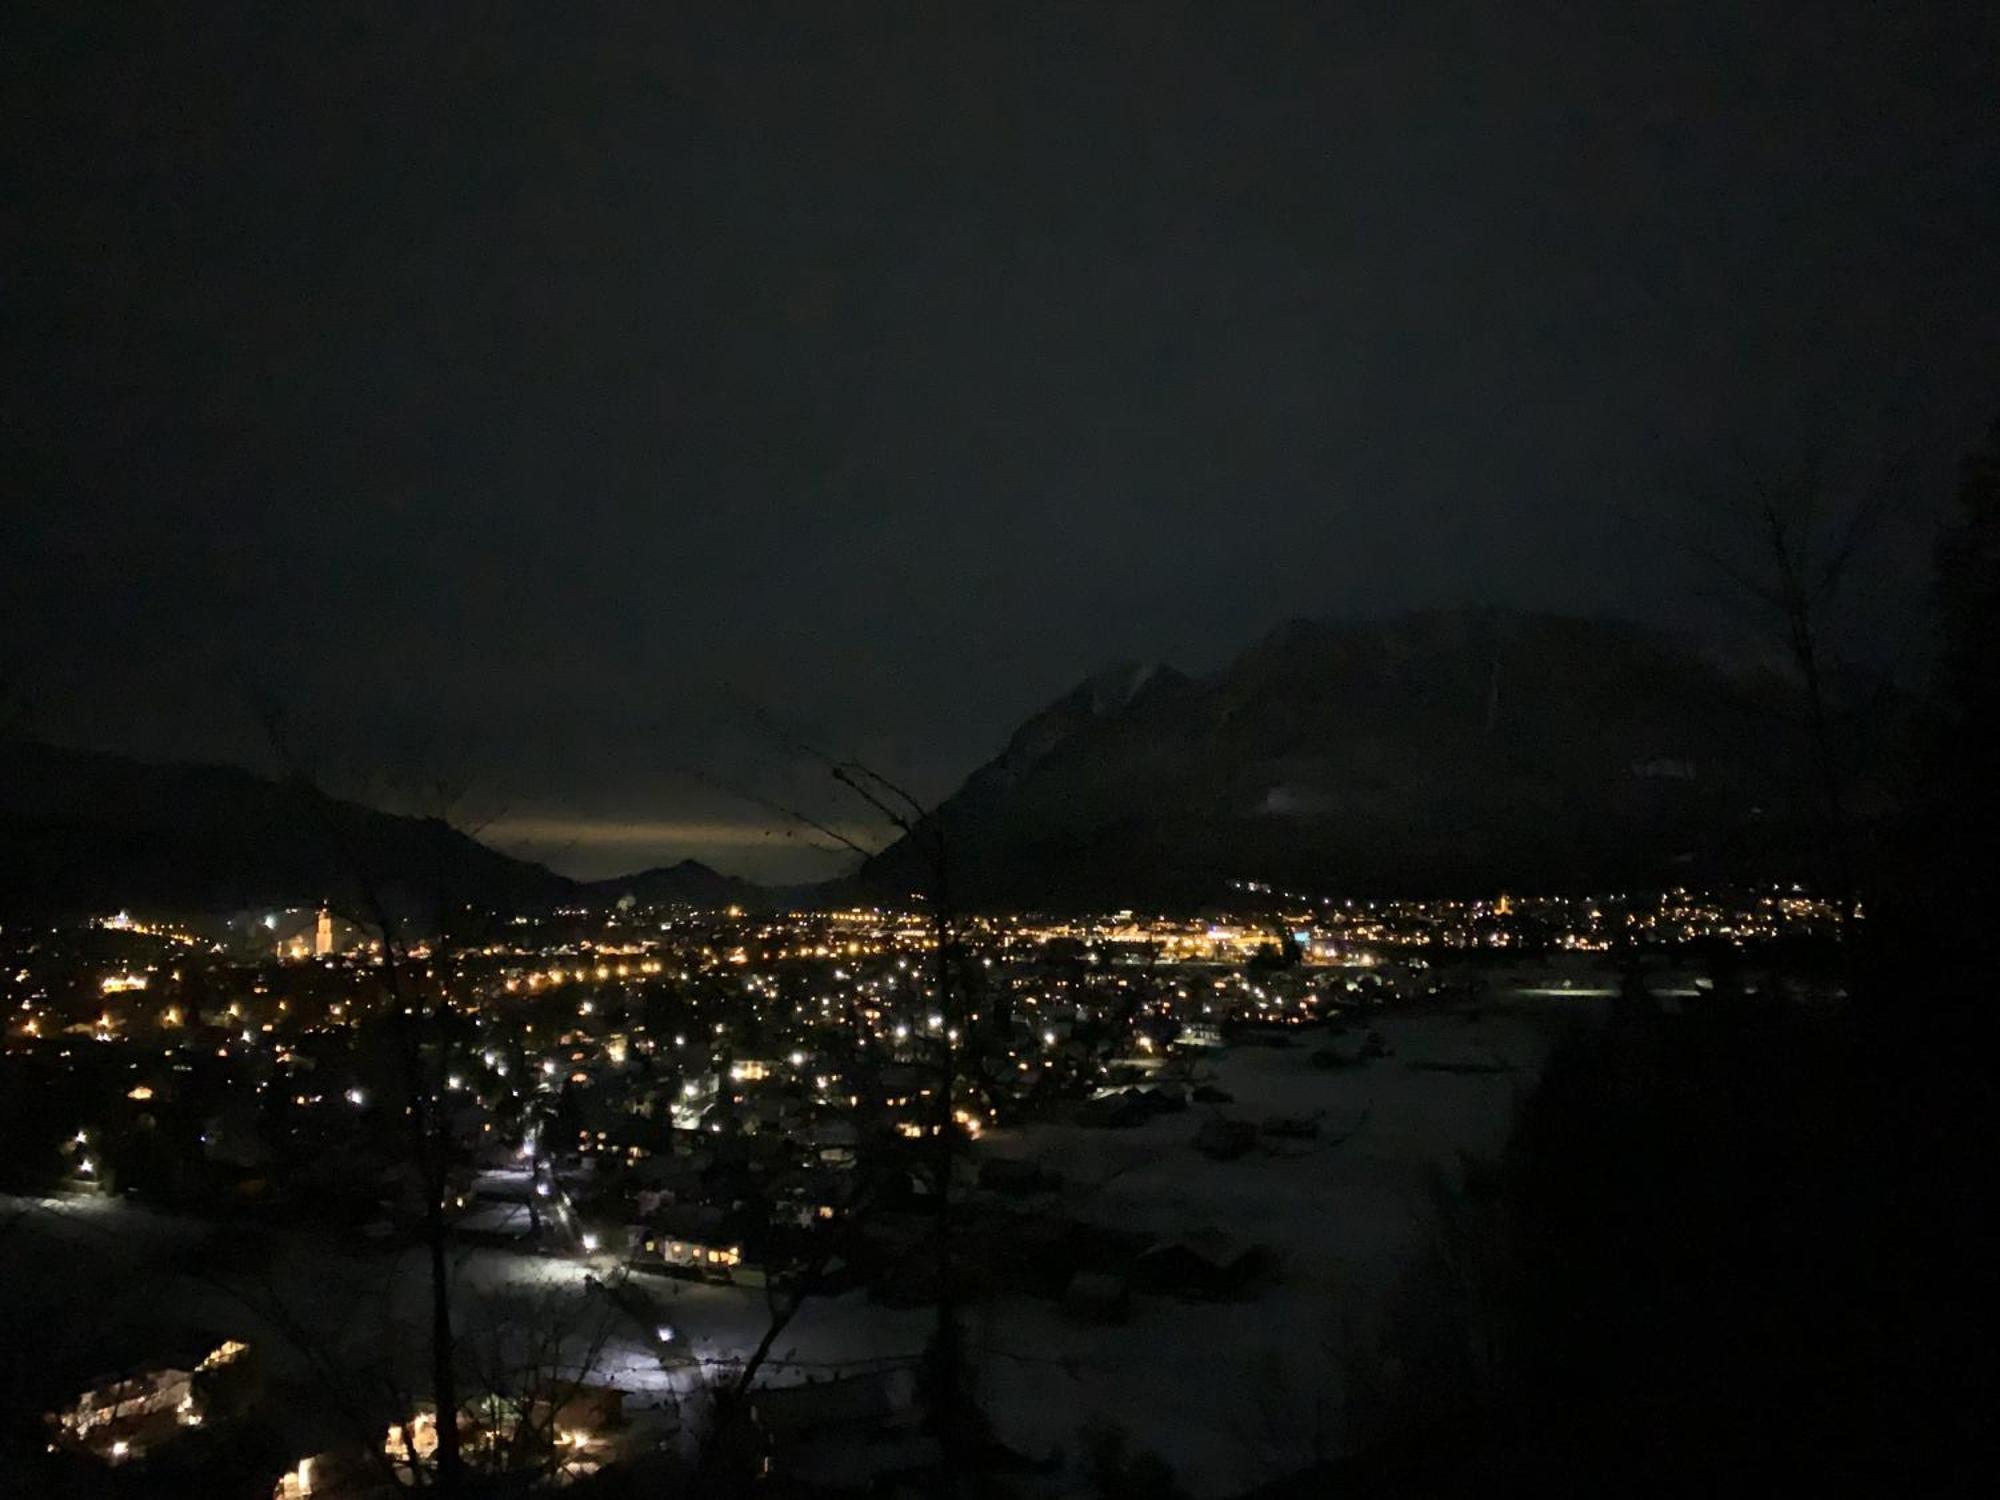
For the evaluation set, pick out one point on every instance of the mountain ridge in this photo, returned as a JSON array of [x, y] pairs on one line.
[[686, 881], [88, 830], [92, 831], [1434, 752], [1430, 752]]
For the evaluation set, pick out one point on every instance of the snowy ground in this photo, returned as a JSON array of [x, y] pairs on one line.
[[1229, 1394], [1233, 1393]]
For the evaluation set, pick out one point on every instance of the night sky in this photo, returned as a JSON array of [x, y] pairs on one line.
[[518, 392]]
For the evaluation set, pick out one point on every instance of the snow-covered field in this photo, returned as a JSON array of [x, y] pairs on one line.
[[1232, 1393]]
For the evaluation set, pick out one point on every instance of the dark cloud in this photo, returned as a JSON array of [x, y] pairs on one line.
[[546, 383]]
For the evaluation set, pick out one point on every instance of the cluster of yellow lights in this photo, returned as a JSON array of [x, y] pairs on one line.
[[686, 1252], [225, 1353], [601, 973]]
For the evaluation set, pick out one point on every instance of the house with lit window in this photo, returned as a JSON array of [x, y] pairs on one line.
[[121, 1418], [694, 1239]]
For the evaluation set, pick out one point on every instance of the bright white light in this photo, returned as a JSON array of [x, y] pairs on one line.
[[590, 1244], [664, 1334], [542, 1188], [935, 1021], [86, 1166], [1048, 1038], [454, 1082], [798, 1059], [356, 1098]]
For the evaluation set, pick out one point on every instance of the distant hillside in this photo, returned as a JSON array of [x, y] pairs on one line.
[[689, 883], [81, 831], [1433, 753]]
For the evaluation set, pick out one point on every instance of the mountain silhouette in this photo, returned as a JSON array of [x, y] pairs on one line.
[[1431, 753]]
